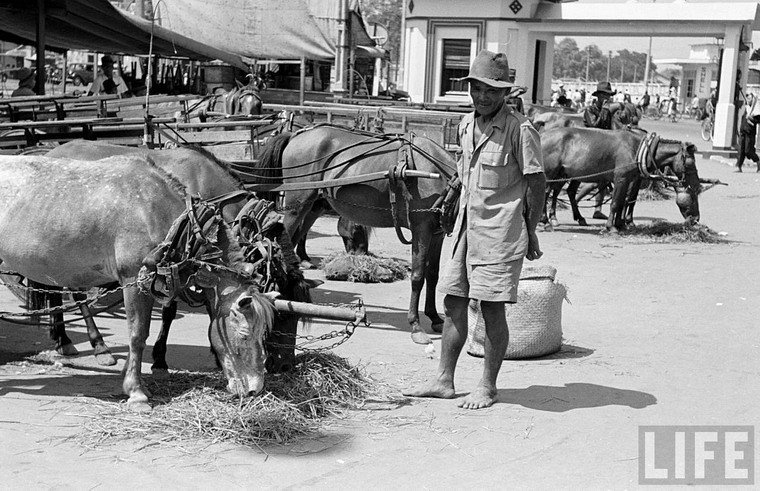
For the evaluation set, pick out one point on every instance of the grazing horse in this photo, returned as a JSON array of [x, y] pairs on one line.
[[86, 224], [346, 157], [204, 175], [591, 155]]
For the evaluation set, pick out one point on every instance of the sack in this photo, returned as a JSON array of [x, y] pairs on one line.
[[535, 321]]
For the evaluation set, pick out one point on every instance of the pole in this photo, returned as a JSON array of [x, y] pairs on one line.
[[41, 14], [622, 70], [646, 68], [401, 56], [302, 90], [609, 57], [588, 60]]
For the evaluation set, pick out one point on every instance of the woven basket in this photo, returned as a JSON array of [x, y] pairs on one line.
[[535, 321]]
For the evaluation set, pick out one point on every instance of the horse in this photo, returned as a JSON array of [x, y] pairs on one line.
[[624, 116], [598, 156], [326, 152], [123, 219], [243, 100], [205, 175]]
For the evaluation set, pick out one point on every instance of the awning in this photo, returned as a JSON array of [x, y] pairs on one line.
[[265, 29], [96, 25]]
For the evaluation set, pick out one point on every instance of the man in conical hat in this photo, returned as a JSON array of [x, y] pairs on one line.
[[503, 186]]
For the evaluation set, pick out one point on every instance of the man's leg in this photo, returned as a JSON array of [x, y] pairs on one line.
[[742, 153], [495, 346], [452, 341]]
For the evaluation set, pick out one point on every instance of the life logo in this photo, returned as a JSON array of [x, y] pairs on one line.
[[710, 455]]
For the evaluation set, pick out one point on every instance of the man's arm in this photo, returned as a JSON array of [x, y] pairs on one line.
[[535, 196]]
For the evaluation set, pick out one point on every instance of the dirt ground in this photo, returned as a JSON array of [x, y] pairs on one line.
[[656, 334]]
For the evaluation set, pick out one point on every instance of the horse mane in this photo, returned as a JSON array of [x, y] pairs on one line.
[[223, 164], [173, 182], [268, 169]]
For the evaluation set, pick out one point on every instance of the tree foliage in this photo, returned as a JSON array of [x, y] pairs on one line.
[[572, 62], [387, 13]]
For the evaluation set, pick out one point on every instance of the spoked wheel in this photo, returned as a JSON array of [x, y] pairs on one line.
[[707, 130]]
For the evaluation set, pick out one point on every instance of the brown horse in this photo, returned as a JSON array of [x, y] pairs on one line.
[[86, 224], [577, 155], [204, 175], [344, 158], [243, 100]]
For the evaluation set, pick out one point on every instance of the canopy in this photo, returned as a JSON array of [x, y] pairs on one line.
[[96, 25], [265, 29]]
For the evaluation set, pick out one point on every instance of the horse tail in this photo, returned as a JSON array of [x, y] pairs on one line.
[[268, 170]]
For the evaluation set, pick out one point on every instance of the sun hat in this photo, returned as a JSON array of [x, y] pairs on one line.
[[491, 69], [24, 74], [604, 88], [106, 59]]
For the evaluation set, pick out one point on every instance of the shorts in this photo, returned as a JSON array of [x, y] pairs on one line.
[[490, 282]]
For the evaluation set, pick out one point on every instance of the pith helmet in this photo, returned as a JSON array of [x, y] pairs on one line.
[[491, 69]]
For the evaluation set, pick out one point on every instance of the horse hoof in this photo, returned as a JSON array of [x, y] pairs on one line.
[[306, 265], [67, 350], [105, 359], [599, 215], [437, 327], [420, 337], [554, 222], [582, 222], [160, 373]]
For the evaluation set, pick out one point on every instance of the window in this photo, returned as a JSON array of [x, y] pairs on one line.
[[456, 65], [690, 88]]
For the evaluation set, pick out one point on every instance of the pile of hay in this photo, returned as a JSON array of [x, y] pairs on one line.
[[193, 407], [365, 268], [668, 232]]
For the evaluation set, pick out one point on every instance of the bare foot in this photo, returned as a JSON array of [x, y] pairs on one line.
[[433, 388], [478, 399]]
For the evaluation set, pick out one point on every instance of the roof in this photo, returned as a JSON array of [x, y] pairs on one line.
[[96, 25]]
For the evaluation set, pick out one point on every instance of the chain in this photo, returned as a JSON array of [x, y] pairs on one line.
[[67, 307], [344, 334]]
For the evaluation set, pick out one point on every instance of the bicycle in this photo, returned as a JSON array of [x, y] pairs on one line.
[[675, 115], [653, 112], [707, 129]]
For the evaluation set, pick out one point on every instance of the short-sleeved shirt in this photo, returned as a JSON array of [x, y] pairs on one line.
[[493, 186], [97, 84]]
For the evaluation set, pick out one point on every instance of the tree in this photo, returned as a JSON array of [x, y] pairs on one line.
[[570, 62], [387, 13]]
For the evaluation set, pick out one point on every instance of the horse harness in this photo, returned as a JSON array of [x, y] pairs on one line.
[[645, 161]]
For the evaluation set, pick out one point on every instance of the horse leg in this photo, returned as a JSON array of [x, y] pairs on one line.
[[598, 214], [102, 354], [556, 188], [57, 331], [137, 307], [431, 280], [617, 203], [160, 368], [572, 188], [630, 202], [303, 231], [421, 237]]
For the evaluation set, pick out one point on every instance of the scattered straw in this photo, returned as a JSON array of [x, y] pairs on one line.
[[193, 407], [365, 268], [667, 232]]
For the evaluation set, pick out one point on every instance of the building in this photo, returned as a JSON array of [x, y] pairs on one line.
[[443, 36]]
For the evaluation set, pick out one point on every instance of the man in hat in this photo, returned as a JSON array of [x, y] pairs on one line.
[[26, 82], [503, 186], [108, 81], [598, 115]]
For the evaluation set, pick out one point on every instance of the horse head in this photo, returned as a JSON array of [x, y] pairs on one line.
[[688, 187]]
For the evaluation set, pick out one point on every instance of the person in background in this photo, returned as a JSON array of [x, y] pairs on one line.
[[598, 115], [644, 102], [108, 81], [748, 135], [26, 83], [503, 186]]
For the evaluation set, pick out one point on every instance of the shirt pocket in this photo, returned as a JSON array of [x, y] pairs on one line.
[[493, 170]]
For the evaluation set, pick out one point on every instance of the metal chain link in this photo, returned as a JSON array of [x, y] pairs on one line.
[[67, 307]]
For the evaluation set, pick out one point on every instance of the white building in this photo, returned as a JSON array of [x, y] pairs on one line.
[[443, 36]]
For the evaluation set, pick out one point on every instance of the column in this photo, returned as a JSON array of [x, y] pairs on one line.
[[725, 111]]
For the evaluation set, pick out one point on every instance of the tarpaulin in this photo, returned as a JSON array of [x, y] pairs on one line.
[[96, 25]]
